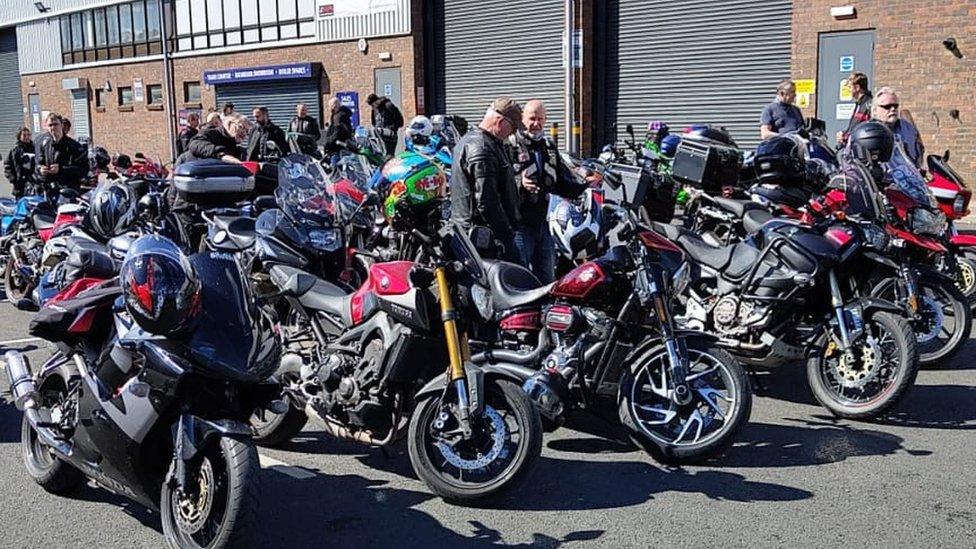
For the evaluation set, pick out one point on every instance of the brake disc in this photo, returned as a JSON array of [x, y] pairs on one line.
[[498, 432], [192, 511], [934, 319], [859, 374]]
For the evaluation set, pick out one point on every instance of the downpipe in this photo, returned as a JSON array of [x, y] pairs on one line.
[[25, 397]]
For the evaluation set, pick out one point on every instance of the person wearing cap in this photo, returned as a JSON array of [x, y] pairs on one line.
[[483, 187], [858, 82]]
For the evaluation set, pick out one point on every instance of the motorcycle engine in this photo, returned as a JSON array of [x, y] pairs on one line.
[[346, 387], [725, 313], [731, 316]]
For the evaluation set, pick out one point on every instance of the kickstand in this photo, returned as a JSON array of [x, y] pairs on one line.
[[757, 384]]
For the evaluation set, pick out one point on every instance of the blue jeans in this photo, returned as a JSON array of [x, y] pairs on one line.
[[537, 251]]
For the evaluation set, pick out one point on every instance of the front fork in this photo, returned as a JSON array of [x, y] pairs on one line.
[[650, 283], [458, 350]]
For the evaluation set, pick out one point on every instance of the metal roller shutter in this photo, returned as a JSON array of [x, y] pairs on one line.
[[698, 61], [484, 50], [280, 97], [12, 113], [80, 126]]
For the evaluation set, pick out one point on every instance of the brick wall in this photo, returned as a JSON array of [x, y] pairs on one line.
[[908, 55], [142, 129]]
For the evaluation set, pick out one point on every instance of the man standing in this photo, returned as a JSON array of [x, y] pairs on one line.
[[61, 161], [221, 142], [265, 131], [19, 167], [307, 128], [189, 132], [858, 82], [540, 170], [483, 187], [340, 126], [781, 116], [885, 110], [387, 118], [228, 109]]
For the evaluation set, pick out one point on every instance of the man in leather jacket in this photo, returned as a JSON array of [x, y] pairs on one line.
[[265, 131], [307, 128], [340, 127], [221, 142], [387, 118], [483, 187], [540, 171], [61, 162], [19, 167]]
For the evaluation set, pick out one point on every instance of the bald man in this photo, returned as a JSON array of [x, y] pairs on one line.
[[539, 170], [307, 129], [340, 127]]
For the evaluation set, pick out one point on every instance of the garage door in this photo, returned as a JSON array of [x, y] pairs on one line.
[[697, 61], [12, 113], [280, 97], [483, 50]]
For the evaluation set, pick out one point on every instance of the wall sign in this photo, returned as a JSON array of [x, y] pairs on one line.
[[845, 94], [805, 86], [803, 100], [138, 93], [256, 74], [350, 99], [846, 63], [844, 111], [351, 8]]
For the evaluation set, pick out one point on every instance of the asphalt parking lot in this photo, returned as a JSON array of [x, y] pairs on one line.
[[796, 478]]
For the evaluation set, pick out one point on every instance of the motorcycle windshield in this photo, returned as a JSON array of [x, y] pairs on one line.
[[303, 192], [903, 175]]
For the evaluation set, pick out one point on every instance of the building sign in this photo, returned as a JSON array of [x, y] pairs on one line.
[[352, 8], [350, 99], [138, 95], [846, 63], [805, 86], [256, 74], [803, 100], [846, 93], [844, 111]]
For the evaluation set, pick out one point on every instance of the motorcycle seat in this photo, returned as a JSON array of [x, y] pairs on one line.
[[312, 291], [736, 207], [7, 206], [734, 261], [239, 232], [753, 221], [89, 263], [513, 285], [43, 220]]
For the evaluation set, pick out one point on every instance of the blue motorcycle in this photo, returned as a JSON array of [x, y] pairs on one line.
[[24, 225]]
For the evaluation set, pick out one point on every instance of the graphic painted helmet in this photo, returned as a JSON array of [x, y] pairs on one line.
[[577, 228], [160, 286], [114, 208], [409, 184]]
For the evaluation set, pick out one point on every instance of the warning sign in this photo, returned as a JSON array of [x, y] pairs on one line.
[[845, 91], [803, 100], [844, 111], [805, 86]]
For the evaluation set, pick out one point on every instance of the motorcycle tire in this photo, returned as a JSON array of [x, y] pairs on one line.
[[430, 463], [50, 472], [659, 443], [906, 359], [230, 467], [967, 278], [16, 290], [278, 428]]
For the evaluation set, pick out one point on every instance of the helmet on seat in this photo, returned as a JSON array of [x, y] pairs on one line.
[[875, 139], [160, 286], [419, 130], [577, 228], [114, 208], [781, 160]]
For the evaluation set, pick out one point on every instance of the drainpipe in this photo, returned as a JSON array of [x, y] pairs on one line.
[[570, 99], [168, 80]]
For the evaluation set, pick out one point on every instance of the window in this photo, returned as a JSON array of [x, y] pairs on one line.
[[101, 98], [191, 92], [115, 32], [125, 23], [155, 94], [125, 96], [202, 24], [139, 21]]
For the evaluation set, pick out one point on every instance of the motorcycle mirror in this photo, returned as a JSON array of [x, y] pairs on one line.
[[945, 156], [630, 129], [265, 202]]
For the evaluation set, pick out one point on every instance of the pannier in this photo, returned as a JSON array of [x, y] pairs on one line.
[[212, 182]]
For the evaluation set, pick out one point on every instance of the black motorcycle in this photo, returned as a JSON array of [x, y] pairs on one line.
[[162, 421]]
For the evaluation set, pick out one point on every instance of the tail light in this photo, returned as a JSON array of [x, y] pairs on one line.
[[559, 318]]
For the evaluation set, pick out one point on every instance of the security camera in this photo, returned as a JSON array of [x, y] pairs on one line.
[[950, 44]]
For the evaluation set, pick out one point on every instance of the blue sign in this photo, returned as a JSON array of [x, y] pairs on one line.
[[846, 63], [256, 74], [351, 100]]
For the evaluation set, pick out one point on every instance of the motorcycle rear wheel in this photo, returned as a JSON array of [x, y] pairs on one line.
[[14, 284], [443, 467], [721, 396], [49, 471]]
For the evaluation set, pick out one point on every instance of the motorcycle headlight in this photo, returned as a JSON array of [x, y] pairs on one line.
[[326, 240], [482, 302], [927, 222]]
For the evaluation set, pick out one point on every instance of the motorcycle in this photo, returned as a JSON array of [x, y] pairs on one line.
[[953, 198]]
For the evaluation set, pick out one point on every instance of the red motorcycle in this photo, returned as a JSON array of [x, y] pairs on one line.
[[953, 198]]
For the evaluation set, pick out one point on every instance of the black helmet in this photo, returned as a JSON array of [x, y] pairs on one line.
[[102, 158], [161, 289], [113, 210], [874, 138], [780, 160]]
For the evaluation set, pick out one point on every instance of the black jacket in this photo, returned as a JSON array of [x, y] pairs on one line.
[[183, 141], [19, 167], [212, 143], [862, 112], [556, 177], [483, 187], [340, 129], [70, 157], [308, 127], [386, 115], [257, 144]]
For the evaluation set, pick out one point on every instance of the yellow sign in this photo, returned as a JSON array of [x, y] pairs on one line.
[[803, 100], [845, 91], [805, 86]]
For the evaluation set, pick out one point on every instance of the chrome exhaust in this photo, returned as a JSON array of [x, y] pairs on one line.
[[24, 392]]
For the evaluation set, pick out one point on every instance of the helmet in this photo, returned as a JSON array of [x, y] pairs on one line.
[[408, 185], [669, 145], [419, 130], [577, 228], [114, 208], [875, 138], [102, 158], [705, 131], [781, 160], [160, 286]]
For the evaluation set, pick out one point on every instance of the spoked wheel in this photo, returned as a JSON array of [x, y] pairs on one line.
[[218, 505], [16, 284], [504, 445], [966, 279], [873, 377], [720, 404]]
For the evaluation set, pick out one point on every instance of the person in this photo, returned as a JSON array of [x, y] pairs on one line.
[[340, 127], [307, 128], [66, 124], [189, 132], [19, 166], [781, 116], [42, 136], [483, 187], [222, 142], [61, 162], [228, 109], [884, 109], [861, 93], [386, 118], [213, 120], [540, 171], [263, 132]]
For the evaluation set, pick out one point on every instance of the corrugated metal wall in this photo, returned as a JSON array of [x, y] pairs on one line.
[[12, 113], [279, 97], [696, 61], [40, 46], [383, 23], [483, 50]]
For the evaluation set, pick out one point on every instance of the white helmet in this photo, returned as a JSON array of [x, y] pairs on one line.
[[577, 229], [419, 126]]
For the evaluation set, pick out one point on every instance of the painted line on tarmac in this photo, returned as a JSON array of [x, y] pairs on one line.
[[19, 341], [284, 468]]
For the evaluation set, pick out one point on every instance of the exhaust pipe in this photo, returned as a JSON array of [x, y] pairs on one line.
[[339, 430], [24, 392]]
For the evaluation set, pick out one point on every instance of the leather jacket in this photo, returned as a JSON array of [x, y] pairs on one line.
[[308, 128], [71, 158], [19, 167], [212, 143], [483, 187], [556, 177], [257, 144], [340, 129]]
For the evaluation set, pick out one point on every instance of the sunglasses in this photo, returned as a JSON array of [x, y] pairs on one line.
[[889, 107]]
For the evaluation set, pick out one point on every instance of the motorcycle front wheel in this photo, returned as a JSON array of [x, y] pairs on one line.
[[499, 455], [219, 506], [721, 403]]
